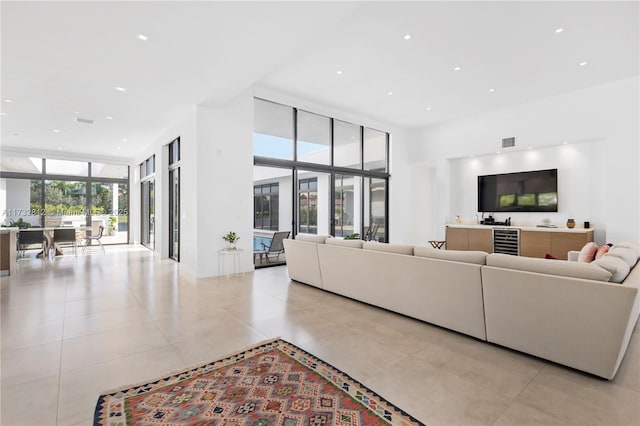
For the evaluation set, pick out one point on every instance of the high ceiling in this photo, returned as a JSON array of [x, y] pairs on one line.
[[64, 60]]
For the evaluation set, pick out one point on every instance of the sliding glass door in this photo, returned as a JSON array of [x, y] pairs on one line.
[[347, 208], [148, 213], [174, 214]]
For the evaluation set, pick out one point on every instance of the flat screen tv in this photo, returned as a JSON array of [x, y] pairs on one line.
[[535, 191]]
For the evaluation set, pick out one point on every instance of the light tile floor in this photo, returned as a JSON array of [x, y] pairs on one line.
[[74, 327]]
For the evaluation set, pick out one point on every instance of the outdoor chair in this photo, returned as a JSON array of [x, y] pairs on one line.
[[96, 238], [365, 233], [65, 237], [30, 238], [276, 247]]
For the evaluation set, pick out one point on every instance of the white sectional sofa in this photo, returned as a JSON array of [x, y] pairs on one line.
[[566, 312]]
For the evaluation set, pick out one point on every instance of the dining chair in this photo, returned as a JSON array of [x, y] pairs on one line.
[[95, 238], [65, 237], [30, 238]]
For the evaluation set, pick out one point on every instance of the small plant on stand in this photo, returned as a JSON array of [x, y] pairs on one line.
[[111, 228], [232, 238]]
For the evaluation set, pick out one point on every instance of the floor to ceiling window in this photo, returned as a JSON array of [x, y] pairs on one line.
[[148, 203], [174, 200], [340, 170], [272, 211], [54, 192]]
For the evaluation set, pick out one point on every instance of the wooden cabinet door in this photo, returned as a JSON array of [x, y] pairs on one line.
[[457, 238], [535, 243], [481, 239], [562, 242]]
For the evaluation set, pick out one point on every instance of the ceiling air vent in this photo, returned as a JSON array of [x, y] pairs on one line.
[[509, 142], [83, 120]]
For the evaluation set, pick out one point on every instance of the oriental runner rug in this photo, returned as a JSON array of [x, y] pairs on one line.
[[272, 383]]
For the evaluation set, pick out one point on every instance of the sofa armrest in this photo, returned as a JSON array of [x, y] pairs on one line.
[[572, 256]]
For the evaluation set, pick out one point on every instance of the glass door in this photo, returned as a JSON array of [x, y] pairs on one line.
[[148, 213], [313, 202], [174, 214], [347, 202]]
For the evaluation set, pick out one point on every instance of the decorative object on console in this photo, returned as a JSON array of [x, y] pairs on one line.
[[571, 223], [546, 223], [586, 224], [458, 220]]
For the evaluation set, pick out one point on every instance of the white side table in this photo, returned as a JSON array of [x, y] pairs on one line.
[[223, 255]]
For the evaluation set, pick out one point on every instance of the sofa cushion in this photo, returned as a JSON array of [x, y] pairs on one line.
[[476, 257], [618, 268], [634, 245], [627, 254], [588, 253], [311, 238], [389, 248], [562, 268], [344, 243]]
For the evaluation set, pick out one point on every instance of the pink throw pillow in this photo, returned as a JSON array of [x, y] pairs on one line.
[[550, 256], [588, 253], [602, 251]]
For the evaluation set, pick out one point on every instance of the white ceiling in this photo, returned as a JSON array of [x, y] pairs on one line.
[[62, 60]]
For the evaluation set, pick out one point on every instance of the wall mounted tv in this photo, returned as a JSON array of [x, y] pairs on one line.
[[535, 191]]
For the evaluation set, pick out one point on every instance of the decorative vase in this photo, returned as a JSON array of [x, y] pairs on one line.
[[231, 246], [571, 223]]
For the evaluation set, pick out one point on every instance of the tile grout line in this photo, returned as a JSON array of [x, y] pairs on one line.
[[519, 393], [64, 312]]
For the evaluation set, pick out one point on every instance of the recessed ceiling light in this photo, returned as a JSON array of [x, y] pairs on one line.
[[120, 89], [124, 140], [559, 30], [497, 152], [77, 112], [492, 90], [565, 143], [142, 37], [56, 131], [3, 113], [117, 147], [8, 100], [389, 93], [407, 36], [457, 69], [108, 117], [339, 72], [59, 148], [428, 108], [583, 64], [529, 147]]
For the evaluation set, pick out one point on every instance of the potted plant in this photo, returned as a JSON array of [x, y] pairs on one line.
[[111, 228], [232, 238]]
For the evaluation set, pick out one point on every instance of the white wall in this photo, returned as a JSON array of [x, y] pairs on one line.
[[185, 128], [607, 114], [17, 196], [225, 177], [577, 166]]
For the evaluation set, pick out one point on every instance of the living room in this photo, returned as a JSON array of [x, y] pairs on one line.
[[445, 124]]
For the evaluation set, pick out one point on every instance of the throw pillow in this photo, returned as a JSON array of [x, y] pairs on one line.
[[588, 253], [550, 256], [602, 251]]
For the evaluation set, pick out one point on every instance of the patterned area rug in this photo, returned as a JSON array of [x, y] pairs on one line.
[[272, 383]]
